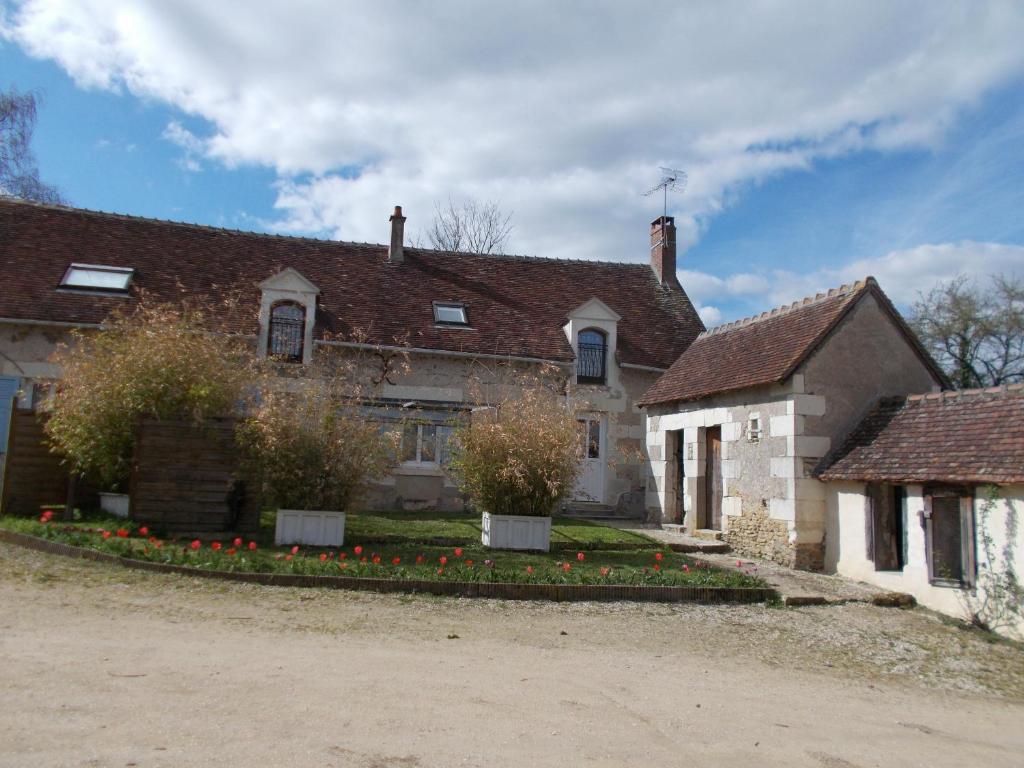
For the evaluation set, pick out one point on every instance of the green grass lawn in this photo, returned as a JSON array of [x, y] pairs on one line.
[[404, 545]]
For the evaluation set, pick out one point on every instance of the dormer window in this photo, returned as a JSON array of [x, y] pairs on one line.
[[592, 352], [285, 341], [449, 313], [94, 277]]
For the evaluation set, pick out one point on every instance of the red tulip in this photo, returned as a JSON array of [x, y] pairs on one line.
[[287, 557], [376, 559], [152, 539], [580, 556], [658, 556], [216, 546], [686, 568], [323, 557], [143, 531], [196, 544], [396, 560], [529, 569], [604, 571], [657, 567], [420, 559], [122, 533], [158, 543], [343, 566], [232, 551], [252, 546], [566, 567], [440, 571], [295, 549], [469, 563], [458, 551], [237, 542], [330, 555], [342, 555], [358, 550], [106, 534], [362, 559], [443, 560]]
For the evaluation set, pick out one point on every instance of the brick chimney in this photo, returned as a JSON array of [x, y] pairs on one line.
[[396, 251], [663, 250]]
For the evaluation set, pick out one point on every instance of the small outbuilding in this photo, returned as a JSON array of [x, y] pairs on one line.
[[926, 496]]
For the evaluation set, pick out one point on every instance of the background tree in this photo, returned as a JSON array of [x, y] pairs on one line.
[[470, 227], [19, 176], [976, 334]]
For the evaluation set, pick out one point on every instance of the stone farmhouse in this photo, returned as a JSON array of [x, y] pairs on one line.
[[926, 496], [737, 425], [609, 329]]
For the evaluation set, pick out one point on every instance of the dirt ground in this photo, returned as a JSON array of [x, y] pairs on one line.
[[101, 666]]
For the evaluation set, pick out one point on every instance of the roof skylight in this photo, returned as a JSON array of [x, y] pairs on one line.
[[94, 277], [450, 313]]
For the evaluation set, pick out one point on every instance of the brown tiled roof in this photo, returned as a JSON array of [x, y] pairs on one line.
[[767, 348], [969, 436], [516, 305]]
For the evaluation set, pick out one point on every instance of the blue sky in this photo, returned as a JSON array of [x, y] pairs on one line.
[[822, 143]]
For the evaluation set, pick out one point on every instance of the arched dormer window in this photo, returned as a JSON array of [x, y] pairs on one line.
[[287, 331], [591, 356]]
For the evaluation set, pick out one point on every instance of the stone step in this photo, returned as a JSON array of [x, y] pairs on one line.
[[708, 534]]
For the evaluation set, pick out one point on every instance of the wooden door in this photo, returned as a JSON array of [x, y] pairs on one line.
[[713, 479]]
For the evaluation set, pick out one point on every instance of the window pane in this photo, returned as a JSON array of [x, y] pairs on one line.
[[410, 432], [594, 440], [947, 549], [591, 356], [428, 442], [449, 313], [287, 331], [444, 435], [109, 279]]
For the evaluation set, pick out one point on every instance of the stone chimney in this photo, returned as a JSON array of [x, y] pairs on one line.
[[396, 251], [663, 250]]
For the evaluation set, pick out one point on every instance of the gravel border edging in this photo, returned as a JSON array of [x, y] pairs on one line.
[[507, 591]]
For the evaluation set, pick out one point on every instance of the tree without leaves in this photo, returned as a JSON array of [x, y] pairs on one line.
[[470, 227], [976, 335], [19, 176]]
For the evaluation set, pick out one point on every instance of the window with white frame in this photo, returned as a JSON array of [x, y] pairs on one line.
[[450, 313], [754, 428], [96, 277]]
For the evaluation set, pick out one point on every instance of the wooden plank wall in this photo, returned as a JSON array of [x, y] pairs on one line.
[[33, 477], [184, 479]]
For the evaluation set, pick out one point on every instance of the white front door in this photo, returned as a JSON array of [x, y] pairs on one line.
[[590, 485]]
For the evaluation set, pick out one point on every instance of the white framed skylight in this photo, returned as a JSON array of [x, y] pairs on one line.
[[450, 313], [96, 277]]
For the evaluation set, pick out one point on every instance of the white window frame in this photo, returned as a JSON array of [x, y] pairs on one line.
[[418, 460], [754, 435], [128, 272], [440, 306]]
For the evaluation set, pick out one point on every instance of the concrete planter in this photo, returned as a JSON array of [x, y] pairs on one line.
[[516, 532], [116, 504], [310, 527]]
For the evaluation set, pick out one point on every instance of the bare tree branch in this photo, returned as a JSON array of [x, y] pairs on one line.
[[976, 335], [470, 227], [19, 176]]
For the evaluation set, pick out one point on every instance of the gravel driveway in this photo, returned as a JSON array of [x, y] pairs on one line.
[[100, 666]]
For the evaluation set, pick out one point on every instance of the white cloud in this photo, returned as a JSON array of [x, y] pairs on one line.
[[711, 316], [192, 146], [902, 274], [562, 116]]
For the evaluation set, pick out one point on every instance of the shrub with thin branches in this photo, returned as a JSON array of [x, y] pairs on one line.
[[522, 455], [159, 361]]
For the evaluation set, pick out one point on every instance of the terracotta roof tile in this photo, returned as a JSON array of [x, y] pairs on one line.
[[766, 348], [969, 436], [517, 305]]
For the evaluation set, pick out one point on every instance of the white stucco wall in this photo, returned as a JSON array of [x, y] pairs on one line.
[[1001, 520]]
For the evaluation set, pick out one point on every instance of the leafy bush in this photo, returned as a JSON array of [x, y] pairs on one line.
[[159, 361], [521, 456], [311, 447]]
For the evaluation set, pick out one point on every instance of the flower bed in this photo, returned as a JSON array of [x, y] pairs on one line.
[[463, 564]]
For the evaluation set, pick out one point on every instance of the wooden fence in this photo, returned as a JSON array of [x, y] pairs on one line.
[[184, 479], [34, 477]]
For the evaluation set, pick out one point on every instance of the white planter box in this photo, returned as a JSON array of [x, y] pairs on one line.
[[310, 527], [516, 532], [116, 504]]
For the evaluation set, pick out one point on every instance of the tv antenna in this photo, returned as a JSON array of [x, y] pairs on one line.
[[671, 178]]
